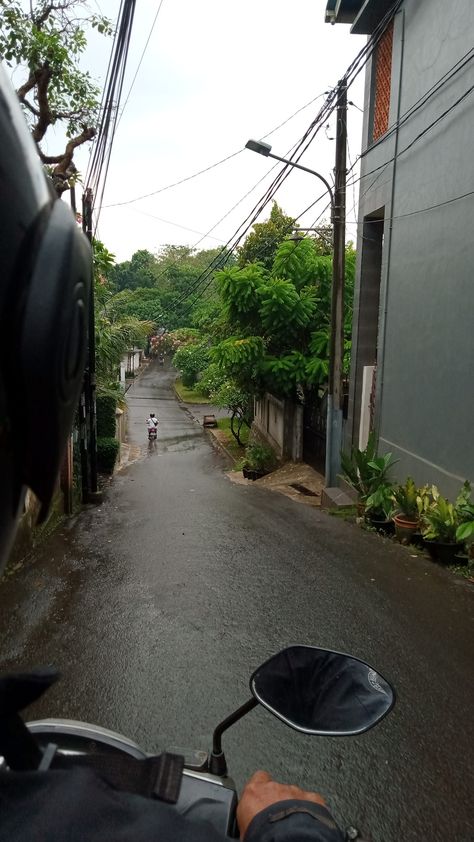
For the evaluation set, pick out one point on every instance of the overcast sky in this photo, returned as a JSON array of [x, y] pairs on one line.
[[215, 73]]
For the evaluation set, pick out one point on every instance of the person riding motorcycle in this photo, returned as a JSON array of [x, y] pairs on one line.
[[45, 274], [152, 421]]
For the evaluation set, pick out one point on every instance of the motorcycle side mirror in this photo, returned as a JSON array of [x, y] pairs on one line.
[[318, 691]]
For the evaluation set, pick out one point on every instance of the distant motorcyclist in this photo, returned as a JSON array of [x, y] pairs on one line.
[[45, 269], [152, 421]]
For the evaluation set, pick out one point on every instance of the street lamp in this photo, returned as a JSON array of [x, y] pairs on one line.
[[336, 344], [266, 150]]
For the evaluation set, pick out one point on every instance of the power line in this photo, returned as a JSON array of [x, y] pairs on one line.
[[351, 75], [176, 183], [435, 88], [211, 166], [140, 62], [417, 210], [99, 161], [328, 107], [303, 108], [176, 224], [417, 137]]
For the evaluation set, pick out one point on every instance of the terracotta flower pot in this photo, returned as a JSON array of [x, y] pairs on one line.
[[405, 527]]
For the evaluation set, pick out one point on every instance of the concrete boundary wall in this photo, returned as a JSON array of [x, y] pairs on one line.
[[280, 424]]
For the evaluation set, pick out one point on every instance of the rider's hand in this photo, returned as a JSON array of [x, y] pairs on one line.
[[261, 792]]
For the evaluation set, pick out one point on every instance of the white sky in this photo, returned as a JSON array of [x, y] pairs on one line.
[[217, 72]]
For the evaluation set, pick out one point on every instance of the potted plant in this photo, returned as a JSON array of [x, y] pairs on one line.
[[446, 526], [259, 460], [365, 471], [379, 508], [408, 502]]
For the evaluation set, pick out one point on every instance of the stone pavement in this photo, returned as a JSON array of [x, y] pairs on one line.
[[128, 453], [296, 480]]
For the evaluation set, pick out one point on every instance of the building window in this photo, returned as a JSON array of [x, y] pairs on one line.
[[381, 83]]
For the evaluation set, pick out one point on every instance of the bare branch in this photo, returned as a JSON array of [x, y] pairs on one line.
[[27, 86], [52, 7], [65, 167], [45, 117], [49, 159], [30, 107]]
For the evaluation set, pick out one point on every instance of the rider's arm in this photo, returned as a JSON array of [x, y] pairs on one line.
[[272, 812]]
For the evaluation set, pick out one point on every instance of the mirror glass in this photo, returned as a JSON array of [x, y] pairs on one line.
[[322, 692]]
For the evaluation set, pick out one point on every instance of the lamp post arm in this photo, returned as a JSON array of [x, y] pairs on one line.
[[306, 169]]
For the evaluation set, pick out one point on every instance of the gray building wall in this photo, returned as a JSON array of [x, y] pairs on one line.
[[424, 409]]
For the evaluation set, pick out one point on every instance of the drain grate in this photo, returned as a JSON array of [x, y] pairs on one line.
[[303, 490]]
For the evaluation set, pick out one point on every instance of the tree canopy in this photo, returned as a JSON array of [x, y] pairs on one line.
[[178, 281], [46, 42], [261, 244], [280, 319], [115, 332]]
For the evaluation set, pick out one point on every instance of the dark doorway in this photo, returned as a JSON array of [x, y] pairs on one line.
[[368, 310], [314, 428]]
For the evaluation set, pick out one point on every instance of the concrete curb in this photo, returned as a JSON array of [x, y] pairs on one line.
[[220, 444]]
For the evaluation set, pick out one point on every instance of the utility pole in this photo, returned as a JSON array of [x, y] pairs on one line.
[[336, 345], [90, 381]]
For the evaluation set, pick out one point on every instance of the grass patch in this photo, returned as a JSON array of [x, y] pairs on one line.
[[237, 452], [345, 512], [224, 424], [189, 395]]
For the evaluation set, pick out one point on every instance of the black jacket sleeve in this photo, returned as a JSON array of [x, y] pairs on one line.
[[294, 821], [79, 806]]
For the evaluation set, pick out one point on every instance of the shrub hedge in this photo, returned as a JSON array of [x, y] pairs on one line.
[[107, 450], [106, 407]]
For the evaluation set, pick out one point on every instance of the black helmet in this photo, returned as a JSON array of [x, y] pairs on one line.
[[45, 276]]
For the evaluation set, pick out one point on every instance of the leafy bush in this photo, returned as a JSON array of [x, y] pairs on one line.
[[107, 450], [106, 408], [449, 522], [379, 504], [211, 380], [409, 499], [190, 360], [259, 457], [240, 405], [189, 378], [364, 470]]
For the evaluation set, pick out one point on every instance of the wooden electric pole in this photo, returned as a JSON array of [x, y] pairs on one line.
[[336, 345], [90, 376]]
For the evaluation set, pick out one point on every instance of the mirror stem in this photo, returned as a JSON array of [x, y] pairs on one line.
[[218, 764]]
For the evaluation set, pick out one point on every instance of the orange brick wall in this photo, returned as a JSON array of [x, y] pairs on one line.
[[383, 77]]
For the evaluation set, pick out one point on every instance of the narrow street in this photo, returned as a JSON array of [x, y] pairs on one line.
[[158, 605]]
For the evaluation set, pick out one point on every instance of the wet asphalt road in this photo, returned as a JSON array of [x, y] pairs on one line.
[[158, 605]]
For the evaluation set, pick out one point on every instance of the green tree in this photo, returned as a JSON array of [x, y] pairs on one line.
[[190, 360], [46, 42], [187, 277], [143, 303], [183, 278], [115, 332], [262, 243], [280, 319], [239, 403], [139, 272]]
